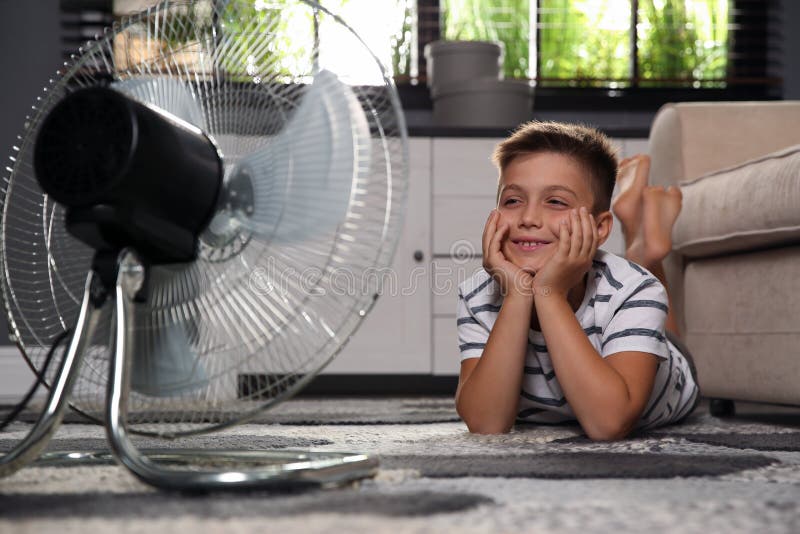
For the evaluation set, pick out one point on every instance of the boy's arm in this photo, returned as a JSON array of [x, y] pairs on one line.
[[607, 395], [489, 386]]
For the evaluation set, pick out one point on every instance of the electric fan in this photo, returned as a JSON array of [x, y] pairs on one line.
[[180, 207]]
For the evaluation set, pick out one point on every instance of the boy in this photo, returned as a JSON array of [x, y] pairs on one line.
[[553, 329]]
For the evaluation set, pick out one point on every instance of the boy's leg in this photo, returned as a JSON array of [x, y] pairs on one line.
[[647, 215]]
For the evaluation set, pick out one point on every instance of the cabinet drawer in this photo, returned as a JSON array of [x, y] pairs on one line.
[[446, 357], [458, 223], [446, 275], [464, 167]]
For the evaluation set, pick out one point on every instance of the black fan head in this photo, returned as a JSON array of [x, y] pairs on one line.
[[129, 174], [85, 145]]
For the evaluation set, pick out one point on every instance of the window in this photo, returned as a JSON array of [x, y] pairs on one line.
[[646, 50], [601, 43], [578, 52], [385, 26]]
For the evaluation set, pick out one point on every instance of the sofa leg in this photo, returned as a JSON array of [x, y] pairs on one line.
[[722, 407]]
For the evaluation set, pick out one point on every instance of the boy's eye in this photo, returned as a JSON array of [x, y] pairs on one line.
[[509, 201], [556, 201]]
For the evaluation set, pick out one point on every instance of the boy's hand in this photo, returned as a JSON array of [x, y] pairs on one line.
[[577, 244], [509, 276]]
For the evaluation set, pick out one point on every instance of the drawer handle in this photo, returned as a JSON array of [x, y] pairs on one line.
[[418, 256]]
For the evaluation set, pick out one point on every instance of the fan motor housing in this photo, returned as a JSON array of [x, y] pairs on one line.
[[128, 174]]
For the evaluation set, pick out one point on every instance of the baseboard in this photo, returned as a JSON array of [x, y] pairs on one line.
[[16, 377]]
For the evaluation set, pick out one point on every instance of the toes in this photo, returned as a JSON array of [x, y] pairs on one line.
[[654, 189], [675, 190]]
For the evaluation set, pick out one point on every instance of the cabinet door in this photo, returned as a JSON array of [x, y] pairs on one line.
[[464, 192], [447, 358], [463, 167], [448, 273], [395, 336]]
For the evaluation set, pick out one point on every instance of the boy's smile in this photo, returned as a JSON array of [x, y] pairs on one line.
[[529, 246], [538, 191]]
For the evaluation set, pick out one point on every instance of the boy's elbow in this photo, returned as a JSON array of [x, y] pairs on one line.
[[487, 428], [479, 425], [613, 431]]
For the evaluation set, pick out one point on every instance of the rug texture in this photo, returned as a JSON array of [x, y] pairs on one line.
[[707, 474]]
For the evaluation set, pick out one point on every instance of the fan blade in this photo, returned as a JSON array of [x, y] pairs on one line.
[[170, 95], [314, 161], [165, 361]]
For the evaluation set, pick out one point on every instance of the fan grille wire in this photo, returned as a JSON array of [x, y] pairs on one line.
[[278, 309]]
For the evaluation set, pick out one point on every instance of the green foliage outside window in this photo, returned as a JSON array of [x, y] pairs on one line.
[[505, 21], [683, 41], [580, 42], [583, 41], [283, 57], [402, 40], [287, 56], [588, 42]]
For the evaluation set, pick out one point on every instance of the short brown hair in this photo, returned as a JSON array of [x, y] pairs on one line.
[[588, 146]]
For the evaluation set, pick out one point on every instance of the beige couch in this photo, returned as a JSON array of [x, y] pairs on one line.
[[734, 275]]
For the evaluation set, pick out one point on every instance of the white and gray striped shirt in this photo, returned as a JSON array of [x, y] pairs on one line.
[[624, 309]]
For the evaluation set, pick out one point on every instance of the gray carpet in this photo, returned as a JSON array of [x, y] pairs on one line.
[[340, 411], [249, 443], [576, 465], [129, 506], [761, 442], [707, 474]]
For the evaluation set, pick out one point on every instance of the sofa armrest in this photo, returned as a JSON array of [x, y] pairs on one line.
[[690, 139]]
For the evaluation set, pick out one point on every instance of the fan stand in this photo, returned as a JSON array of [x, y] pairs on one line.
[[265, 469], [50, 418]]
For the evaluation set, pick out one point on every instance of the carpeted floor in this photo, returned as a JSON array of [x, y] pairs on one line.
[[739, 474]]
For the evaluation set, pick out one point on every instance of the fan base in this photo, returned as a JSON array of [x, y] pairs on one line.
[[240, 469]]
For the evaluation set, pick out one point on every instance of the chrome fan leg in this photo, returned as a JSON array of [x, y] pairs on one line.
[[49, 420], [235, 469]]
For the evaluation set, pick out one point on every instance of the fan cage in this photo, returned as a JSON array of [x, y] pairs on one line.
[[252, 306]]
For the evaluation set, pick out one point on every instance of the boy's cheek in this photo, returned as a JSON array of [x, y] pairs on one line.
[[505, 248], [508, 251]]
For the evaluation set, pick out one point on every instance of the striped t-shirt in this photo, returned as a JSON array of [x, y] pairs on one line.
[[624, 309]]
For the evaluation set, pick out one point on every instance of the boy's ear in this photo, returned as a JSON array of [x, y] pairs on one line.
[[604, 221]]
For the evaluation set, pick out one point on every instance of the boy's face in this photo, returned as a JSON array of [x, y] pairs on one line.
[[536, 192]]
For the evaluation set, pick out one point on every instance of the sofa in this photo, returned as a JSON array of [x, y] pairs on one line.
[[734, 273]]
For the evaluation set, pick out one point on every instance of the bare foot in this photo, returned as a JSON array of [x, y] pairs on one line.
[[627, 205], [660, 209]]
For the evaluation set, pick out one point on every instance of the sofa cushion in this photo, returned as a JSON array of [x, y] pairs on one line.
[[741, 324], [755, 204]]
